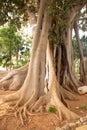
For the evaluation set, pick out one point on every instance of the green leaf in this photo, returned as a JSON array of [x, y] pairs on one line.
[[52, 109], [84, 107]]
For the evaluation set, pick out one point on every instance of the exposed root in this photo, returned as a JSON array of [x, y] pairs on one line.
[[9, 98], [64, 112], [8, 76], [39, 103], [20, 109], [68, 95], [46, 101], [13, 80], [22, 113]]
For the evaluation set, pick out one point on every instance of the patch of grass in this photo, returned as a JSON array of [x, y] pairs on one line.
[[84, 107], [52, 109]]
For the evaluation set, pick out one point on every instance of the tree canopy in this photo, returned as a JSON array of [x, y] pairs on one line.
[[15, 11]]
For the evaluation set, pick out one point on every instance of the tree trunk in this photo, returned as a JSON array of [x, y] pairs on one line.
[[82, 64], [54, 92], [30, 91]]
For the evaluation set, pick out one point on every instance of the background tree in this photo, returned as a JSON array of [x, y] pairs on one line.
[[84, 45], [14, 49], [18, 13], [80, 24]]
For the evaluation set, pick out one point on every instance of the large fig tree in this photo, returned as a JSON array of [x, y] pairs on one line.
[[52, 47]]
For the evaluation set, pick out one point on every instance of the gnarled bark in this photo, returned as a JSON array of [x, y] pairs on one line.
[[14, 79], [70, 76], [53, 97]]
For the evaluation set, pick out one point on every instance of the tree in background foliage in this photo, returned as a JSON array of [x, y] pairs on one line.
[[13, 47], [84, 45], [80, 22], [75, 48], [17, 13], [24, 54]]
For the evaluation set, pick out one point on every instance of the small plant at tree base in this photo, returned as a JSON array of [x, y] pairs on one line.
[[84, 107], [52, 109]]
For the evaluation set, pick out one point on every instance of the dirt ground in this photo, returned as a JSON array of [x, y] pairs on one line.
[[46, 121]]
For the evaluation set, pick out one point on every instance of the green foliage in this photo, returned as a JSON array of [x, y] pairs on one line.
[[60, 11], [14, 51], [32, 6], [84, 44], [52, 109], [84, 107], [10, 10], [16, 11], [82, 21], [75, 47], [76, 66]]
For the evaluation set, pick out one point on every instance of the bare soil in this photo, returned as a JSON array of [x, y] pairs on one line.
[[45, 121]]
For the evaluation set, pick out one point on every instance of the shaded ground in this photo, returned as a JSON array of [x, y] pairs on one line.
[[46, 121]]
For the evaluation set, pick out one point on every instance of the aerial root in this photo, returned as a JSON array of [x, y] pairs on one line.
[[68, 95]]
